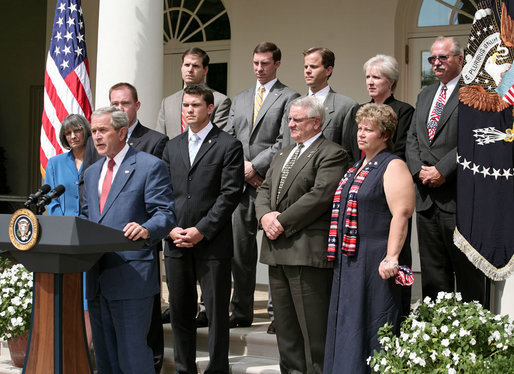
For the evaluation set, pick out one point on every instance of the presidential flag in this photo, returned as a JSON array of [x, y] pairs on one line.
[[485, 151], [67, 86]]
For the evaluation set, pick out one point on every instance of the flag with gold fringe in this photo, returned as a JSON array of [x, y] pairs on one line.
[[485, 151]]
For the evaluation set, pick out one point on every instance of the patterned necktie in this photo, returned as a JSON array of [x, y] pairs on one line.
[[194, 145], [183, 121], [258, 102], [435, 116], [106, 185], [287, 168]]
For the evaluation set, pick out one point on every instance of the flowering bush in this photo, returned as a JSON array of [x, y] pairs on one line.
[[447, 336], [16, 301]]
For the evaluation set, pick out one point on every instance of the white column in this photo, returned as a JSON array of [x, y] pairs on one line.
[[504, 297], [130, 50]]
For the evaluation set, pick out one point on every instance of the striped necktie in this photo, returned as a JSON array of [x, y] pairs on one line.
[[183, 122], [287, 168], [258, 102], [435, 116]]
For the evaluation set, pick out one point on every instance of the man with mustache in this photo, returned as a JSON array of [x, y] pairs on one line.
[[431, 157]]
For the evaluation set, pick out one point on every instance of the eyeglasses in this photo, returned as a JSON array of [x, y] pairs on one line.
[[442, 58], [298, 120]]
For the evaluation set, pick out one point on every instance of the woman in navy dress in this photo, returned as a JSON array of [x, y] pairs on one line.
[[65, 169], [372, 207]]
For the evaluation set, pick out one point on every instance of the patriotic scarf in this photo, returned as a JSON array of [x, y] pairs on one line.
[[349, 242], [404, 277]]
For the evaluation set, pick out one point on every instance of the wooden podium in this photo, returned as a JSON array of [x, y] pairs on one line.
[[67, 247]]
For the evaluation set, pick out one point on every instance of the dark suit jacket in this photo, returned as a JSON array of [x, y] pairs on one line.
[[169, 121], [404, 113], [141, 193], [441, 152], [260, 140], [305, 204], [337, 109], [207, 192]]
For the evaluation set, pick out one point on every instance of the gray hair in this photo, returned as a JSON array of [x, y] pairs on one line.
[[456, 47], [118, 118], [315, 108], [74, 122], [386, 65]]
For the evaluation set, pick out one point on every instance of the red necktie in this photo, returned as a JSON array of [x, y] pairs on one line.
[[106, 186], [183, 121]]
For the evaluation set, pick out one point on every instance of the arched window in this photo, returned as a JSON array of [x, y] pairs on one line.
[[446, 12], [189, 21]]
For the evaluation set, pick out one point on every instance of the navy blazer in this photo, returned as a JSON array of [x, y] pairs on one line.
[[141, 193], [207, 192]]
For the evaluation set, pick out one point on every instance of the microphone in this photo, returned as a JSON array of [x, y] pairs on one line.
[[56, 192], [33, 198]]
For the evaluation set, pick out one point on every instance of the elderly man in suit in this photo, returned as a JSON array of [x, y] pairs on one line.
[[130, 191], [195, 65], [255, 119], [317, 69], [206, 167], [431, 157], [124, 96], [293, 206]]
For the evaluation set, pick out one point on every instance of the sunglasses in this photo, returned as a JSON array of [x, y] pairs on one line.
[[442, 58]]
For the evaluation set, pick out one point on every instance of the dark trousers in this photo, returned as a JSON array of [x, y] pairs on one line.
[[155, 337], [244, 262], [442, 264], [214, 277], [120, 329], [301, 297]]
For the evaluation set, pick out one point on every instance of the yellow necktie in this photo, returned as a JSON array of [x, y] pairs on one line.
[[258, 103]]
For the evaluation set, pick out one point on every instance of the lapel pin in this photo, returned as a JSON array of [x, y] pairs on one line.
[[127, 171], [210, 141]]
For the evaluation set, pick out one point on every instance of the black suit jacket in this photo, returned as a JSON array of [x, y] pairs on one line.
[[403, 111], [207, 192], [441, 152]]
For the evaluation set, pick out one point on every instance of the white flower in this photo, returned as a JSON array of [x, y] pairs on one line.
[[472, 341], [368, 360], [463, 332], [494, 336], [444, 329], [452, 335], [376, 368], [447, 352], [426, 337], [383, 361], [445, 342], [458, 296], [451, 371], [427, 300], [473, 357], [456, 358], [456, 323], [433, 356]]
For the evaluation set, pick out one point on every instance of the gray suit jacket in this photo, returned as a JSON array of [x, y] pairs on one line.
[[260, 140], [169, 121], [337, 108], [441, 152], [305, 204]]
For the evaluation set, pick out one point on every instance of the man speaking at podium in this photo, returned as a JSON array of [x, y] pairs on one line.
[[130, 191]]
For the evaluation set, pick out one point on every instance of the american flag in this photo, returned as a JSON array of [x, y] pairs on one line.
[[67, 86]]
